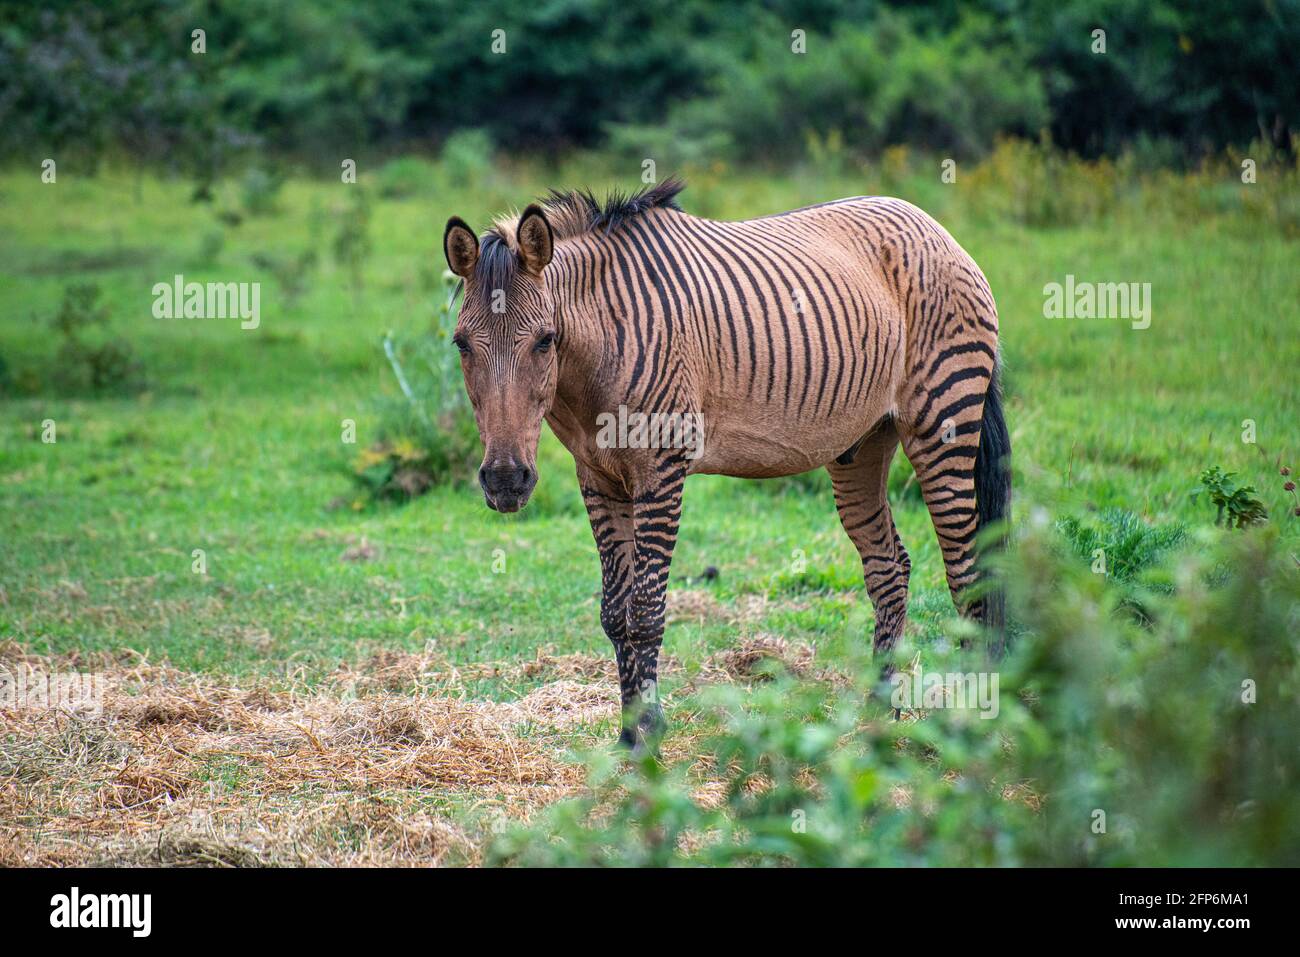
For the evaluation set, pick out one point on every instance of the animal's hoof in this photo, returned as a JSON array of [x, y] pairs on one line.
[[636, 746], [643, 737]]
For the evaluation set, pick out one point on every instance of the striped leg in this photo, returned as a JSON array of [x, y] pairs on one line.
[[611, 524], [610, 513], [941, 444], [656, 512], [635, 539], [860, 498]]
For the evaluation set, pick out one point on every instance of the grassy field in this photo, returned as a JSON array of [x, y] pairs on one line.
[[354, 681]]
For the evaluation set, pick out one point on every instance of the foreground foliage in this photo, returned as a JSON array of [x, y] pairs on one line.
[[1116, 742]]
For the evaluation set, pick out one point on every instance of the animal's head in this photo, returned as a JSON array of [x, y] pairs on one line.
[[507, 340]]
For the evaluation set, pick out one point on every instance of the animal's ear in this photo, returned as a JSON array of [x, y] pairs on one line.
[[461, 247], [535, 240]]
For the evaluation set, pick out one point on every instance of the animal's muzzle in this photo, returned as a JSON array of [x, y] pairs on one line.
[[506, 484]]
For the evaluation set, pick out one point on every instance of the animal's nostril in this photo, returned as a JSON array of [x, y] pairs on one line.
[[482, 477], [526, 476]]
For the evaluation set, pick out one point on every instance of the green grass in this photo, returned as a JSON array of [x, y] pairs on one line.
[[235, 448]]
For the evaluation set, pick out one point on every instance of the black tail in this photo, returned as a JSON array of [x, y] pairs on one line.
[[993, 494]]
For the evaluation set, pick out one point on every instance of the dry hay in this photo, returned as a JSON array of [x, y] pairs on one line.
[[564, 705], [181, 768], [753, 656], [390, 762], [697, 605], [585, 667], [403, 670]]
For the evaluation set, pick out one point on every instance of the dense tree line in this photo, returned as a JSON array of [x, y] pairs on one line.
[[746, 79]]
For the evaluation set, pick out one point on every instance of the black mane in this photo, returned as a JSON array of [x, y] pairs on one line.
[[618, 206], [570, 214]]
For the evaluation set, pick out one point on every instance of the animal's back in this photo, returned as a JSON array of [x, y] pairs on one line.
[[807, 323]]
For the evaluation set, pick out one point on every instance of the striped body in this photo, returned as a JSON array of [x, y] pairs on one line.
[[818, 337]]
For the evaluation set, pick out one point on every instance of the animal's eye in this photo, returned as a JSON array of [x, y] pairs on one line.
[[461, 344], [545, 342]]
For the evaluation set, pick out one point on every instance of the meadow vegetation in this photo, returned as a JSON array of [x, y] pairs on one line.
[[371, 667]]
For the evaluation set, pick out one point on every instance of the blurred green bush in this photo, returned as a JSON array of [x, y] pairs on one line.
[[715, 79], [90, 359], [1118, 741]]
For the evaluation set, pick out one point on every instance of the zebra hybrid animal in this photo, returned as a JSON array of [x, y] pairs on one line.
[[824, 336]]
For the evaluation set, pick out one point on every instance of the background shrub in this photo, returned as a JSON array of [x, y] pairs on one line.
[[427, 430], [90, 360], [92, 78]]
